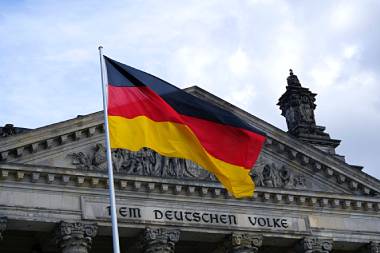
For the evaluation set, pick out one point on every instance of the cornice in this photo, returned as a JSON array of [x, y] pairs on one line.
[[45, 136], [51, 136], [61, 177]]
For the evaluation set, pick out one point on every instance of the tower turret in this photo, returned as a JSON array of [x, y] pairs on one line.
[[297, 105]]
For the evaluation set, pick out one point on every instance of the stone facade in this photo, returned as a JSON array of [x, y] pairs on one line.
[[54, 192]]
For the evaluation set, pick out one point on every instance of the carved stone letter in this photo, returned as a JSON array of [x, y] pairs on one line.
[[3, 226], [159, 240], [243, 243], [314, 245], [75, 237]]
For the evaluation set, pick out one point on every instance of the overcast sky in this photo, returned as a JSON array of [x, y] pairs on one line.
[[240, 51]]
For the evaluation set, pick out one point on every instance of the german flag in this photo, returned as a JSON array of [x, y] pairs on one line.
[[145, 111]]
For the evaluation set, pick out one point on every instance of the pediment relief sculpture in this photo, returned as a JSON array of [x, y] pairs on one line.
[[144, 162], [271, 174], [147, 162]]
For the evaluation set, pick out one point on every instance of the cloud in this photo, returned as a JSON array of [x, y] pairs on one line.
[[239, 63], [343, 15]]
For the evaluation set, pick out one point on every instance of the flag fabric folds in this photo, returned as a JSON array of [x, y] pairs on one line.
[[145, 111]]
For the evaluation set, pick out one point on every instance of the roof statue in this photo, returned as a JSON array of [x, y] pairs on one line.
[[293, 79]]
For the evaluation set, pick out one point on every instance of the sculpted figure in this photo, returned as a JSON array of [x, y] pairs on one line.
[[172, 165], [155, 163], [286, 177], [269, 176], [193, 170], [8, 130], [151, 163], [179, 169], [100, 159], [118, 159], [81, 160], [133, 164]]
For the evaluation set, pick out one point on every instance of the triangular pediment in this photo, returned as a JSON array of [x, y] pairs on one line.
[[285, 162]]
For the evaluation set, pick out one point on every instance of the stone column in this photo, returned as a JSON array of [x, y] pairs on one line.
[[243, 243], [314, 245], [75, 237], [159, 240], [3, 226], [373, 247]]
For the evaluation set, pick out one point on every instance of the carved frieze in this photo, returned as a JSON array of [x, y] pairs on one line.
[[271, 174], [147, 162], [144, 162]]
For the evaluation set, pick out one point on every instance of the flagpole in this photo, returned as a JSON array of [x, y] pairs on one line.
[[115, 232]]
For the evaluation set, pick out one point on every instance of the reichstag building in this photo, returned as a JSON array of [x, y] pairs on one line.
[[54, 192]]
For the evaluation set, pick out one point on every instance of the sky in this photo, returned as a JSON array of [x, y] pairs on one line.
[[240, 51]]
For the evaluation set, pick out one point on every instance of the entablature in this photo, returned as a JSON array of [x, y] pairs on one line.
[[63, 178]]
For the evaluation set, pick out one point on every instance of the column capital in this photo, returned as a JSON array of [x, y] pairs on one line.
[[243, 243], [159, 240], [373, 247], [75, 237], [315, 245], [3, 226]]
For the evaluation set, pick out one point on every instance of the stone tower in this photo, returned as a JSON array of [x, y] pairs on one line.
[[297, 105]]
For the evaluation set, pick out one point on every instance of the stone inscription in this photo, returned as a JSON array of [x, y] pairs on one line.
[[197, 217], [269, 222]]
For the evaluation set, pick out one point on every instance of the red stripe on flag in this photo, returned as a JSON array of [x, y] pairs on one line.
[[230, 144], [131, 102]]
